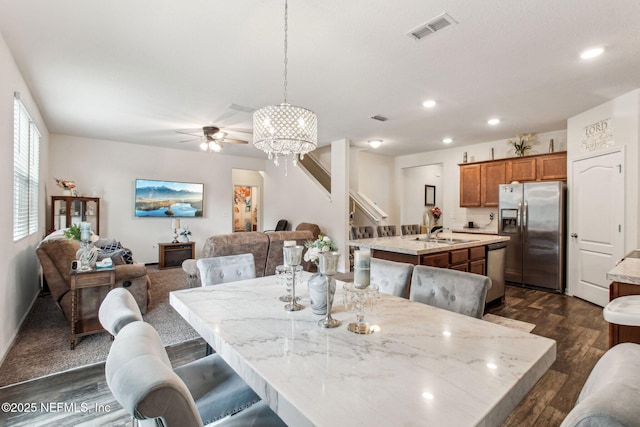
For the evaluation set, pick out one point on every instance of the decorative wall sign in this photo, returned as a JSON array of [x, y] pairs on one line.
[[597, 136]]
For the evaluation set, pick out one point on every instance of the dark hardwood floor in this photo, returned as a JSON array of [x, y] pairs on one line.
[[582, 337], [577, 326]]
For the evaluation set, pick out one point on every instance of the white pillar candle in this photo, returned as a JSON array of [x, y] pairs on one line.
[[85, 231], [362, 258], [288, 243]]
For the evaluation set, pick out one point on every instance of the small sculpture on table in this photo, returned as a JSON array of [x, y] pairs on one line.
[[292, 259], [328, 266]]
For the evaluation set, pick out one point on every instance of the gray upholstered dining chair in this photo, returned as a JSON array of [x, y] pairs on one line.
[[386, 230], [117, 310], [140, 377], [225, 269], [409, 229], [452, 290], [391, 277], [610, 395], [363, 232]]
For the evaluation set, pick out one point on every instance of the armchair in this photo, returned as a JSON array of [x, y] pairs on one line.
[[55, 257]]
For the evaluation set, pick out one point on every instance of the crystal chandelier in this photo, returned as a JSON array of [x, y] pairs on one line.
[[285, 130]]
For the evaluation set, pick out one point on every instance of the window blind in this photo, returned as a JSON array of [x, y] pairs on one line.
[[26, 169]]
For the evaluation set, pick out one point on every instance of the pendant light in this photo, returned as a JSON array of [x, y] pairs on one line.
[[285, 131]]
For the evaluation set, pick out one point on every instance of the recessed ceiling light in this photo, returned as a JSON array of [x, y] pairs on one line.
[[493, 122], [591, 52], [429, 103], [447, 140], [375, 143]]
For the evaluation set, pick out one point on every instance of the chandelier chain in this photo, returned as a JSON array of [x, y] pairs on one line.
[[286, 58]]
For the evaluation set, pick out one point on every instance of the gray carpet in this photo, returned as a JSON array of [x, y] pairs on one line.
[[42, 345]]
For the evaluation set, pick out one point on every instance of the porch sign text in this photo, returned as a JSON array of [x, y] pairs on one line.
[[597, 136]]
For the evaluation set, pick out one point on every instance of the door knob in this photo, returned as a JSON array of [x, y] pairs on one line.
[[574, 235]]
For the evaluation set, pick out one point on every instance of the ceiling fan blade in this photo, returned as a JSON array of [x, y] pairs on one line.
[[235, 141], [188, 133], [189, 140], [239, 130]]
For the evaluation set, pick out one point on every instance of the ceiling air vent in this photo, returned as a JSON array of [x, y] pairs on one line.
[[439, 23], [379, 118]]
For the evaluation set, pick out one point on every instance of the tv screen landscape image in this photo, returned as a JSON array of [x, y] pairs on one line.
[[168, 199]]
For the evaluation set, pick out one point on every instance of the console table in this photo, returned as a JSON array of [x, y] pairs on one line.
[[171, 255]]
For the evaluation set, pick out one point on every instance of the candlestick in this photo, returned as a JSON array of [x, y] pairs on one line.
[[361, 268]]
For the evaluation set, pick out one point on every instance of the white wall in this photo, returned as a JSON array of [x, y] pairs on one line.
[[414, 180], [453, 215], [297, 198], [19, 266], [375, 180], [108, 169]]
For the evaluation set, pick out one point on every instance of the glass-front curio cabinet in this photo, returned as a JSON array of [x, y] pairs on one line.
[[68, 210]]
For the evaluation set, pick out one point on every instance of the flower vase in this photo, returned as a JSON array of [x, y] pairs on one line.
[[66, 192], [317, 285]]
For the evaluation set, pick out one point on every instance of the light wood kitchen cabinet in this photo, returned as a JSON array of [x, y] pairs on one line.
[[552, 167], [491, 176], [521, 169], [470, 185]]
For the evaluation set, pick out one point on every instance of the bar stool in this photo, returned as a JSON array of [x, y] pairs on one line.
[[622, 311]]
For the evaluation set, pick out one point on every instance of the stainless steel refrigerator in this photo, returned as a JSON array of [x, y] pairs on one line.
[[533, 215]]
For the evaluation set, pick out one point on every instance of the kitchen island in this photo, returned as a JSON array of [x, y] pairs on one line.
[[450, 250], [457, 251], [625, 280]]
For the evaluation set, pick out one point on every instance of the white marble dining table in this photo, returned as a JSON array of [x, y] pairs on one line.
[[423, 366]]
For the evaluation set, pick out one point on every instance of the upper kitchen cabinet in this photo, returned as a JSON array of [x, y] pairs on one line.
[[521, 169], [470, 184], [479, 181], [552, 167], [492, 174]]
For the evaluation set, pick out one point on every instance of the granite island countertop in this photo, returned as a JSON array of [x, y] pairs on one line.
[[628, 271], [417, 244]]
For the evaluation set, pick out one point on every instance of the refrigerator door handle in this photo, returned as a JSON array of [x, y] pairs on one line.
[[519, 217], [524, 215]]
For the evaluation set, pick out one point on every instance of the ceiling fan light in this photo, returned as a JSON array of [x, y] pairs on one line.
[[204, 146], [215, 146], [375, 143]]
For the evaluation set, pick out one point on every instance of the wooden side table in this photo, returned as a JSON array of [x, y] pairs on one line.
[[172, 255], [81, 280]]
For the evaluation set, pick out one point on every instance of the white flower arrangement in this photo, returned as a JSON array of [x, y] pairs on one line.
[[315, 247]]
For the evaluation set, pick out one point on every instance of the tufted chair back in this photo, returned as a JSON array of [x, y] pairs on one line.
[[118, 309], [391, 277], [224, 269], [386, 230], [410, 229], [452, 290], [207, 390], [364, 232]]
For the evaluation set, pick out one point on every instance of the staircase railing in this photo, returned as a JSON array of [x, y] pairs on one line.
[[361, 201]]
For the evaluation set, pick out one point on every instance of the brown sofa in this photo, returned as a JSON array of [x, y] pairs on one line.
[[265, 247], [55, 257]]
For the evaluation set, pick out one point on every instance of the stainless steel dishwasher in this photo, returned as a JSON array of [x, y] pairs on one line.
[[496, 253]]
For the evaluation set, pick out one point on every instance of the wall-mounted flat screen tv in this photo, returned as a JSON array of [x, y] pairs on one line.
[[168, 199]]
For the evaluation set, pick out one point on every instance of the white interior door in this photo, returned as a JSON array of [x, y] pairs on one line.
[[596, 230]]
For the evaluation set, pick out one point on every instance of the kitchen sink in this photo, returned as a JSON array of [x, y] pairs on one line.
[[446, 241]]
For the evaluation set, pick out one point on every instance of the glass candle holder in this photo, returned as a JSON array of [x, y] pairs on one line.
[[361, 268], [292, 255]]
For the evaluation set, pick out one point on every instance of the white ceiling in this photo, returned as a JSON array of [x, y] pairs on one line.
[[137, 71]]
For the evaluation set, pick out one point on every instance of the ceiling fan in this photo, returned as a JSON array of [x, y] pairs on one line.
[[213, 137]]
